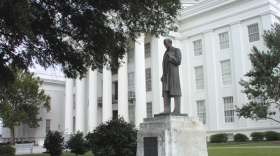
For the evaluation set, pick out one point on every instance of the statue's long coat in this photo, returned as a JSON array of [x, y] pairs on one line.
[[170, 76]]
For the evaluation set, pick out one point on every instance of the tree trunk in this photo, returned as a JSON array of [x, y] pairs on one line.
[[12, 135]]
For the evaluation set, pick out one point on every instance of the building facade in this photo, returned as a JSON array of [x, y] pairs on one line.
[[215, 38]]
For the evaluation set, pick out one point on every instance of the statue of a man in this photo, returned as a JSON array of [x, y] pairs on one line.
[[170, 77]]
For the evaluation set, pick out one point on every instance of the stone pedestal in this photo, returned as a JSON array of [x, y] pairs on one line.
[[171, 135]]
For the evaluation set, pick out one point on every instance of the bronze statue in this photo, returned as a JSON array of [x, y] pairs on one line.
[[170, 77]]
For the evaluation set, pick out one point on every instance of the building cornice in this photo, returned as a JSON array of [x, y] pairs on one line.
[[196, 12], [228, 16]]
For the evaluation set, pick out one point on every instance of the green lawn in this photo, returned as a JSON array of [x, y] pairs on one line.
[[250, 148], [243, 144]]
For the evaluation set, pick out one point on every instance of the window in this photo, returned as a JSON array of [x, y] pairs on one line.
[[130, 55], [199, 77], [48, 125], [131, 113], [253, 32], [224, 43], [197, 48], [149, 110], [74, 101], [74, 124], [131, 82], [201, 111], [229, 109], [147, 50], [148, 80], [226, 72]]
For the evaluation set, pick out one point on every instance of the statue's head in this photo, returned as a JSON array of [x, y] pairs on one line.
[[167, 43]]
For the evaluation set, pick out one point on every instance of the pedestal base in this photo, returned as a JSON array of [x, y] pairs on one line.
[[171, 135]]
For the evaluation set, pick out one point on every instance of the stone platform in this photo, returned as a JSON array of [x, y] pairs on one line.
[[171, 135]]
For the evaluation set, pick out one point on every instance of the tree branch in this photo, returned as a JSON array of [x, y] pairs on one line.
[[273, 119]]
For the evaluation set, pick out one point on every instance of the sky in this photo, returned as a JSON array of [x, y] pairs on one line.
[[50, 71]]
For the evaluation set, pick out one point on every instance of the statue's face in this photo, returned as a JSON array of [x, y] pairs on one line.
[[166, 44]]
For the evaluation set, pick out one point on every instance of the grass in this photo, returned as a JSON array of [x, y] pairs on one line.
[[253, 151], [243, 144], [250, 148]]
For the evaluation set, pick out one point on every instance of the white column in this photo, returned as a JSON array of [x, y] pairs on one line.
[[107, 95], [185, 78], [238, 68], [69, 105], [80, 104], [211, 77], [140, 81], [92, 108], [157, 52], [122, 90]]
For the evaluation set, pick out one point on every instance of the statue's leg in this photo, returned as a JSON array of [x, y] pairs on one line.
[[177, 109], [166, 101]]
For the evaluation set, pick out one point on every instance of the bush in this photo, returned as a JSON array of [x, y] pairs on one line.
[[113, 138], [7, 150], [221, 137], [240, 137], [54, 143], [272, 135], [257, 136], [77, 144], [25, 142]]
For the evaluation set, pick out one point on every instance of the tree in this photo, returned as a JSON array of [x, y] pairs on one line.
[[77, 34], [263, 86], [54, 143], [113, 138], [77, 143], [21, 100]]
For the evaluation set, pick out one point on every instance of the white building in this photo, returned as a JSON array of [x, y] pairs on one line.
[[215, 38]]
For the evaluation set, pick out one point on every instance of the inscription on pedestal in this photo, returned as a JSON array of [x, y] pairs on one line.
[[150, 146]]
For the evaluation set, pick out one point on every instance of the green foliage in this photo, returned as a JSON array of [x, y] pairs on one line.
[[54, 143], [77, 35], [7, 150], [263, 83], [240, 137], [113, 138], [257, 136], [272, 135], [21, 101], [77, 143], [221, 137]]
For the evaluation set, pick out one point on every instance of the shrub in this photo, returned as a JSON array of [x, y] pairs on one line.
[[26, 142], [113, 138], [272, 135], [221, 137], [77, 144], [7, 150], [240, 137], [54, 143], [257, 136]]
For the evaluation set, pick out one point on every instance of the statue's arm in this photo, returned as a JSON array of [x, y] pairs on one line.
[[175, 59]]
